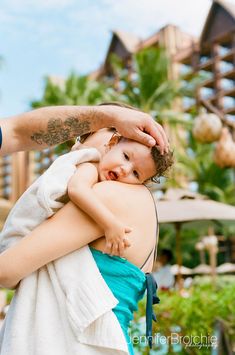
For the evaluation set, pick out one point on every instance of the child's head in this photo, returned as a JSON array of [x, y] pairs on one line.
[[131, 162]]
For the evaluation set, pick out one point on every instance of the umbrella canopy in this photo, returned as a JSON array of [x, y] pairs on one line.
[[179, 205], [225, 268], [202, 269], [183, 270]]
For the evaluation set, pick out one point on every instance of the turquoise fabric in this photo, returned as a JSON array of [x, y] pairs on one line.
[[127, 282]]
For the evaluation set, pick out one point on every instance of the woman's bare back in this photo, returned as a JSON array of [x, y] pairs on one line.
[[141, 217]]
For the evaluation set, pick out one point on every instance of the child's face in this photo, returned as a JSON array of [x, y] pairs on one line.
[[128, 161]]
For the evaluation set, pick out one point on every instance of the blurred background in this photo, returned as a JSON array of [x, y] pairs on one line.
[[174, 59]]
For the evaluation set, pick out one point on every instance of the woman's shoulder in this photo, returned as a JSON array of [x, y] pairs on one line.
[[125, 196], [116, 188]]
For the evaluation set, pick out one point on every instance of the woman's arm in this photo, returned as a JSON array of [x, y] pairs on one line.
[[70, 229], [48, 126]]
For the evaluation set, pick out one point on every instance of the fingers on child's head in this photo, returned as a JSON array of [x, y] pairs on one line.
[[115, 139]]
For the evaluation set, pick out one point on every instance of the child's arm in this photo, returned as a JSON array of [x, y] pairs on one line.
[[80, 193]]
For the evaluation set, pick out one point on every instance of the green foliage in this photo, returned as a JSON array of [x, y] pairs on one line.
[[189, 237], [155, 90], [9, 294], [190, 234], [148, 87], [75, 90], [198, 165], [191, 313]]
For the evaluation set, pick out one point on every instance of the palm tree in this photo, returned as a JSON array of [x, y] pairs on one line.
[[148, 86], [75, 90]]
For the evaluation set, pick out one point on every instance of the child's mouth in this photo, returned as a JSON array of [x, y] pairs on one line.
[[112, 175]]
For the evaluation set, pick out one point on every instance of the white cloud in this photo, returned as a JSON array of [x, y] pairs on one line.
[[143, 16], [155, 14]]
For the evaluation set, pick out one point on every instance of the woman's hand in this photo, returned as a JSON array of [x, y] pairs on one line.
[[135, 125]]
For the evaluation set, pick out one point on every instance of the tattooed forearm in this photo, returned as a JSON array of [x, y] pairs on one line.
[[59, 131]]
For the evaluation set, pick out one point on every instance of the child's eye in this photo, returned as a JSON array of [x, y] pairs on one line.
[[136, 174], [126, 156]]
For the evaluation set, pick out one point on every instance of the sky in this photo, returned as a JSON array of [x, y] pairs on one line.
[[55, 37]]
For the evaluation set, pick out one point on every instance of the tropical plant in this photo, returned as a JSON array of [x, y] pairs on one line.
[[75, 90], [147, 86], [197, 163], [190, 315]]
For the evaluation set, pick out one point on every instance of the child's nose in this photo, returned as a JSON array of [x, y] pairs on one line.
[[125, 169]]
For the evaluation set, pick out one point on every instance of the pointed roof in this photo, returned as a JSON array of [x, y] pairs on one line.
[[229, 6], [151, 40], [128, 40], [228, 10], [181, 39], [123, 44]]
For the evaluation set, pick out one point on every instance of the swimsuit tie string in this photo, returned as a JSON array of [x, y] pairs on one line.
[[152, 298]]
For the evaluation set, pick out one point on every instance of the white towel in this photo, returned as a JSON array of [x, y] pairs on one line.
[[65, 307]]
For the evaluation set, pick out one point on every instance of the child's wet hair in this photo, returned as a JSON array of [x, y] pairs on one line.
[[162, 162]]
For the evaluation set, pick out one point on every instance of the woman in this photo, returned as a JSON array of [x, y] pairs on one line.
[[70, 229]]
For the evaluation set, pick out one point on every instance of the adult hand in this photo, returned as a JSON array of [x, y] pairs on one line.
[[48, 126], [136, 125]]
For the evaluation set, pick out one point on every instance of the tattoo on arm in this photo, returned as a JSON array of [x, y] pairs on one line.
[[59, 131]]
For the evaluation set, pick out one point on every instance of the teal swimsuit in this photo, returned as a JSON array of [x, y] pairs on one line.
[[128, 284]]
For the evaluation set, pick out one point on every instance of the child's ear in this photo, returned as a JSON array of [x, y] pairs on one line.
[[114, 140]]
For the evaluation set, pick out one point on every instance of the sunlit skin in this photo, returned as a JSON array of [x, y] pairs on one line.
[[127, 161]]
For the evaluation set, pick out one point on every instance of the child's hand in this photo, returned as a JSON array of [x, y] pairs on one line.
[[116, 240]]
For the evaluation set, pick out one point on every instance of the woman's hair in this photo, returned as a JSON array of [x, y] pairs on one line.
[[162, 161]]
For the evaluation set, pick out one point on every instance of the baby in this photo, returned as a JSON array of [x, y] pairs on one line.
[[122, 160]]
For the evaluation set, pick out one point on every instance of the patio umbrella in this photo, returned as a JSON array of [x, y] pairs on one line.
[[183, 270], [225, 268], [202, 269], [178, 206]]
